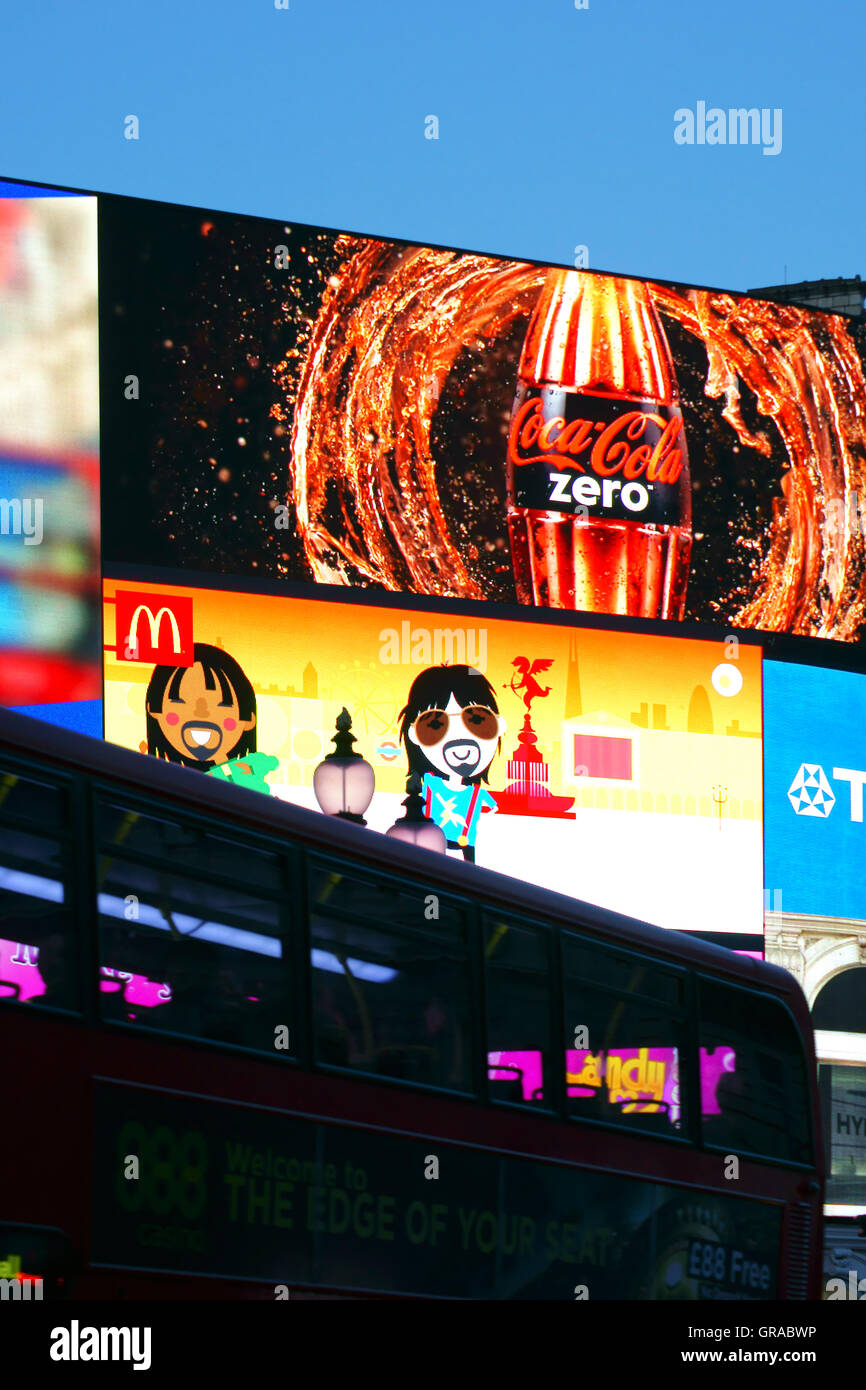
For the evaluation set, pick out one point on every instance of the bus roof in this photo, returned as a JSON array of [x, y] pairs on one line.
[[208, 796]]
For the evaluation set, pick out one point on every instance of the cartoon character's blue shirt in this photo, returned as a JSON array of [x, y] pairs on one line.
[[456, 810]]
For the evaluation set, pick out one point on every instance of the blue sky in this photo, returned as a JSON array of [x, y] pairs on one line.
[[555, 124]]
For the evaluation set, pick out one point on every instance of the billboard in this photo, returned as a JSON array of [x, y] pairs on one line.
[[624, 769], [289, 403], [846, 1131], [815, 770], [263, 1195], [814, 774], [49, 435]]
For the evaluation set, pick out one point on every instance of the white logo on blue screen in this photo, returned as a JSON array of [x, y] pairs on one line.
[[810, 793]]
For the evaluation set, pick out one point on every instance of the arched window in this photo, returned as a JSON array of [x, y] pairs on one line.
[[841, 1004]]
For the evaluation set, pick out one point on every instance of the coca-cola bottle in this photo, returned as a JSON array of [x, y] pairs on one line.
[[599, 499]]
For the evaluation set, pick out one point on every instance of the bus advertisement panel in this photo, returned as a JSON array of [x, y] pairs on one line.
[[621, 768], [256, 1194], [288, 402]]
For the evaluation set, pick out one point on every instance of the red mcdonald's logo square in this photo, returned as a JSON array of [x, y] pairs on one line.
[[154, 628]]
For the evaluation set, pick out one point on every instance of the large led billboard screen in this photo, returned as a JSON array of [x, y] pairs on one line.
[[431, 445], [49, 438], [621, 768], [815, 771], [815, 896], [283, 402]]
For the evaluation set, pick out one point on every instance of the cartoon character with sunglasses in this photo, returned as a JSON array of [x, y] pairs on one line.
[[451, 729]]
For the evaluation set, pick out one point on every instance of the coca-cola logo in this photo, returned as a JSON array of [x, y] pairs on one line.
[[613, 446]]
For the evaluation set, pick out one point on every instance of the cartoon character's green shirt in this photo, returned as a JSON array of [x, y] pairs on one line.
[[258, 763]]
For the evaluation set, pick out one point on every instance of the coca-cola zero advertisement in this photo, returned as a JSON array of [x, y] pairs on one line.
[[282, 402]]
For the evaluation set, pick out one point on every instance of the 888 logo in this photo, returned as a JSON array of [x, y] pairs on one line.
[[172, 1170]]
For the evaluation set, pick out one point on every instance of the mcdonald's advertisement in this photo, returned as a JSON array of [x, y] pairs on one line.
[[263, 1195], [338, 410], [621, 769]]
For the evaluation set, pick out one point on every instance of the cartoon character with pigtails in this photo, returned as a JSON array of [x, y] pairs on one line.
[[204, 716]]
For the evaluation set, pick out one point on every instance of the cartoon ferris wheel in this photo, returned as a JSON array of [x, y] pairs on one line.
[[368, 699]]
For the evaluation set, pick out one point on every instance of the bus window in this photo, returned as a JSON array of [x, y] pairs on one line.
[[754, 1088], [38, 952], [519, 1054], [626, 1019], [340, 890], [192, 956], [37, 937], [189, 846], [391, 978], [26, 801]]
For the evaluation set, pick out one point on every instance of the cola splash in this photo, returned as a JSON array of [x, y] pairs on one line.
[[393, 322], [812, 578]]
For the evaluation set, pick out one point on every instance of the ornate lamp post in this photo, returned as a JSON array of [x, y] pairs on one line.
[[343, 782], [414, 828]]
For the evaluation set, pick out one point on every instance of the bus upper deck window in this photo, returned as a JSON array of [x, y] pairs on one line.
[[391, 977], [519, 1051], [28, 801], [187, 845], [38, 948], [625, 1028], [754, 1091], [192, 931]]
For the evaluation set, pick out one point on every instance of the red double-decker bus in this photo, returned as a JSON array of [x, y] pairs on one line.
[[251, 1051]]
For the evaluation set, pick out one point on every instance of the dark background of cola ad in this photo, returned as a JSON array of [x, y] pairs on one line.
[[192, 304]]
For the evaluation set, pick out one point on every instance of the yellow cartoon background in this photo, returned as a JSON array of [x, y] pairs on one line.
[[654, 742], [676, 699]]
